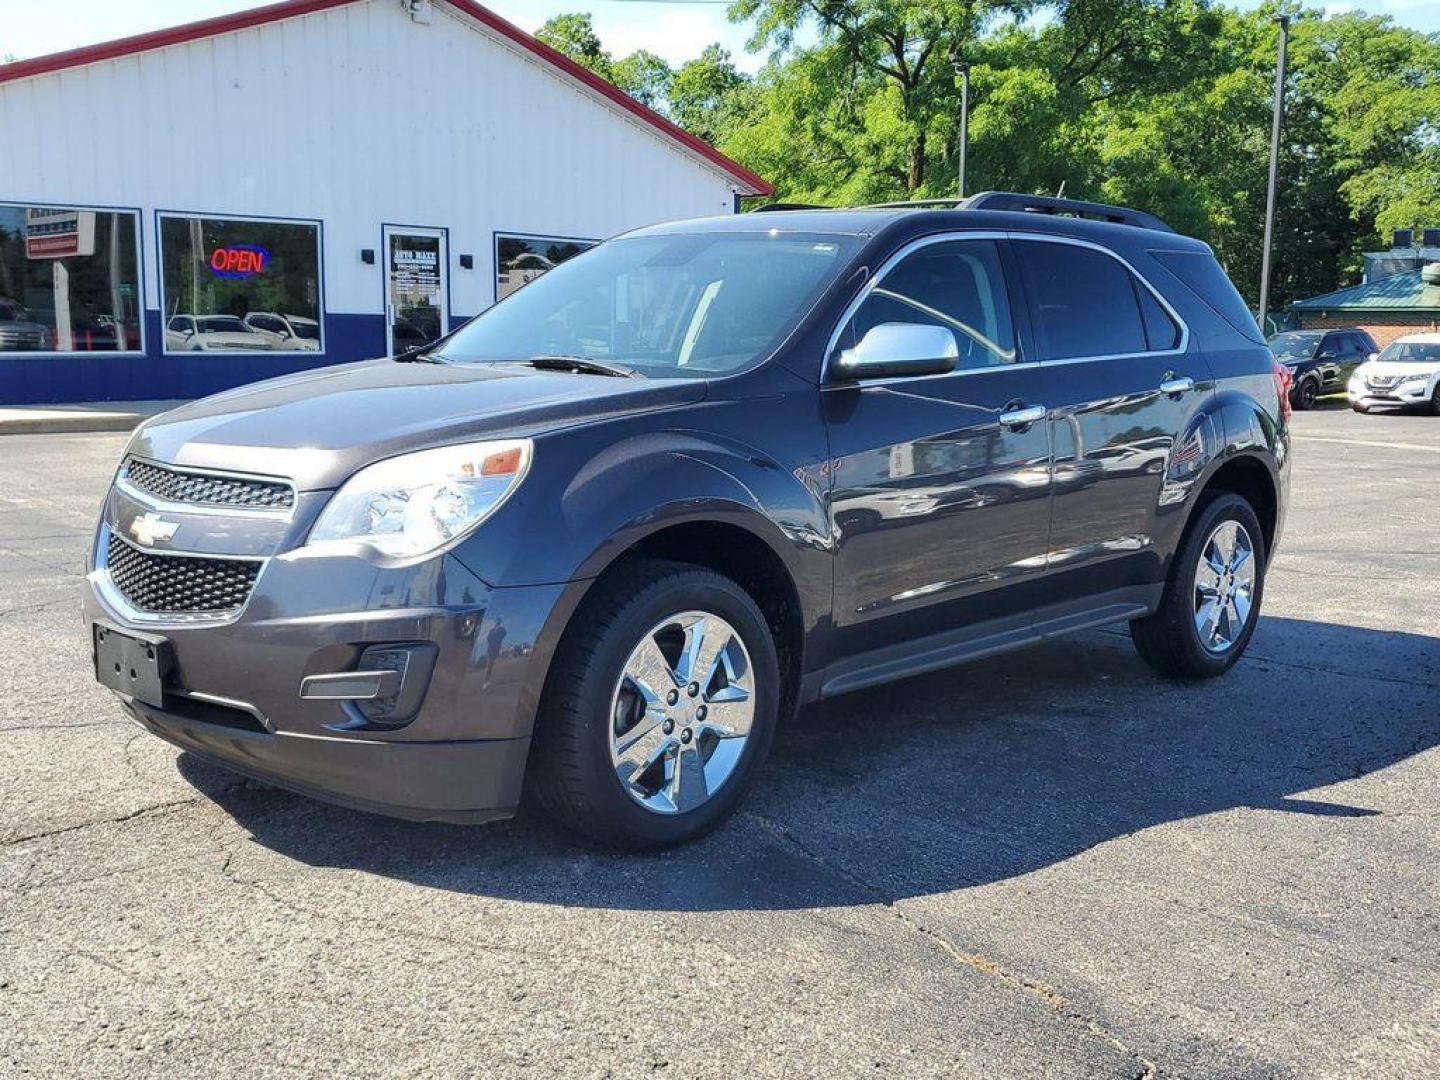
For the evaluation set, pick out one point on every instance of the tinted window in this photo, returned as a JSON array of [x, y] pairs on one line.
[[1161, 332], [957, 285], [1081, 301], [1202, 276]]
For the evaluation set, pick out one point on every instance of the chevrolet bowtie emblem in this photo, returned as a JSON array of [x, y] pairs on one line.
[[150, 528]]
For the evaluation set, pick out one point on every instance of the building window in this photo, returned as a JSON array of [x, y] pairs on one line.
[[69, 280], [521, 259], [239, 285]]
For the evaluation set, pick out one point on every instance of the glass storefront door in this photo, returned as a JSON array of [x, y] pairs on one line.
[[416, 303]]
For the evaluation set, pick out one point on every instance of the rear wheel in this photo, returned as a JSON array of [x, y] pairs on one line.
[[659, 708], [1212, 597], [1306, 393]]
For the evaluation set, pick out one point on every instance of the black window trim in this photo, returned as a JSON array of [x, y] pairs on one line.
[[1002, 236]]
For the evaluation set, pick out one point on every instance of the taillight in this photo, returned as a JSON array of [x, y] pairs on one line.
[[1284, 379]]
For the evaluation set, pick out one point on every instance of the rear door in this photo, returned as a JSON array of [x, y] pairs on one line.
[[1121, 386], [940, 483]]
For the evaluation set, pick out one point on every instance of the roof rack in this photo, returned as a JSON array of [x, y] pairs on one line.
[[771, 208], [1046, 204]]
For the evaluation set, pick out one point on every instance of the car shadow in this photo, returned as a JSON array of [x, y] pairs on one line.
[[961, 778]]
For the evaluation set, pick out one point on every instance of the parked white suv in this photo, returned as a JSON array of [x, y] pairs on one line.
[[1406, 373], [286, 333]]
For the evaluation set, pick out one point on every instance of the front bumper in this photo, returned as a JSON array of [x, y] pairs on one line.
[[232, 691], [1415, 393]]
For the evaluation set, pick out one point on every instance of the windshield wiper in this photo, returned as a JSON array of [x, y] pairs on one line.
[[582, 364]]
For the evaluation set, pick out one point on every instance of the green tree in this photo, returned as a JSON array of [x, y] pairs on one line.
[[574, 35], [645, 77], [709, 95]]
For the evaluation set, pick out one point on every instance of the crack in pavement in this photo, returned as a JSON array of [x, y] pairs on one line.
[[145, 811], [1042, 991]]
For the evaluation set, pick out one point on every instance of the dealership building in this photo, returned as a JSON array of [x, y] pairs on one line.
[[308, 183]]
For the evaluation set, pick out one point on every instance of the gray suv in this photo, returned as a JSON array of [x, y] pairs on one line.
[[597, 543]]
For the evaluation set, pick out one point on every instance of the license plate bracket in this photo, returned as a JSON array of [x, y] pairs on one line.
[[131, 662]]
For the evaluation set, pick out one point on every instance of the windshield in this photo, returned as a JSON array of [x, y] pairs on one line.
[[689, 306], [1294, 344], [222, 324], [1411, 352]]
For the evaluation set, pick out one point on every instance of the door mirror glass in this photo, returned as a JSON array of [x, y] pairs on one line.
[[894, 348]]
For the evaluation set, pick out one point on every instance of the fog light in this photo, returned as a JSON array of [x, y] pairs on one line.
[[413, 664]]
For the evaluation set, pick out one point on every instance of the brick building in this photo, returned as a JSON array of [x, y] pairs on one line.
[[1406, 303]]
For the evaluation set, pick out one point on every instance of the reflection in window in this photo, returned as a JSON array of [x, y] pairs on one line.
[[521, 259], [68, 280], [240, 286]]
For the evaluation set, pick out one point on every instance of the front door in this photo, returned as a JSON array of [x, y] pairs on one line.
[[416, 298], [940, 484]]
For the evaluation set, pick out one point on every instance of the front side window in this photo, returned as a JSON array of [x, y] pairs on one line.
[[519, 260], [958, 285], [1082, 302], [673, 306], [69, 280], [224, 272]]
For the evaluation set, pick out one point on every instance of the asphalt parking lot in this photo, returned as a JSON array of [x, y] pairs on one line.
[[1047, 864]]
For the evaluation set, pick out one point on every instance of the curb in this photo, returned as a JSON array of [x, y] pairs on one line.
[[59, 425]]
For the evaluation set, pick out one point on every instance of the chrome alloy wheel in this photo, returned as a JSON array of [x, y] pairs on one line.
[[1224, 586], [681, 712]]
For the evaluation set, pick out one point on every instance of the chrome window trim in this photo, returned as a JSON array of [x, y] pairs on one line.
[[157, 502], [991, 234], [120, 607]]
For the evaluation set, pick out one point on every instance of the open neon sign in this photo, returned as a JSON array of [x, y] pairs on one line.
[[239, 261]]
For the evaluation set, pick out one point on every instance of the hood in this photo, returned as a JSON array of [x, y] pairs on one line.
[[242, 338], [318, 427], [1380, 369]]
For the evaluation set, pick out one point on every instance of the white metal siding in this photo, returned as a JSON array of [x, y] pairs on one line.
[[356, 116]]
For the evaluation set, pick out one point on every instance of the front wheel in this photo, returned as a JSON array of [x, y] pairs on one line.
[[659, 708], [1306, 393], [1211, 602], [1435, 401]]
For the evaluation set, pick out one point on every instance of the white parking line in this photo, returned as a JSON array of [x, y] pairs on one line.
[[1364, 442]]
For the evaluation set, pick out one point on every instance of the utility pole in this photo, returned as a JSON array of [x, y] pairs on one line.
[[1276, 123], [963, 70]]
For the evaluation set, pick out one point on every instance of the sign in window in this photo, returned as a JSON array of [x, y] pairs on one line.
[[234, 285]]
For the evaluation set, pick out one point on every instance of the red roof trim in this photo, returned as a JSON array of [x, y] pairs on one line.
[[243, 20]]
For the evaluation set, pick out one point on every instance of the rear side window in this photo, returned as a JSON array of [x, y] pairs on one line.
[[956, 284], [1082, 301], [1202, 276], [1161, 331]]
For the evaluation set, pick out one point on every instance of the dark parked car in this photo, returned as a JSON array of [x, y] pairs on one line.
[[1321, 361], [606, 536]]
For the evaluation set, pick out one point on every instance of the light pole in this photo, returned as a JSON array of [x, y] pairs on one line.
[[963, 70], [1276, 123]]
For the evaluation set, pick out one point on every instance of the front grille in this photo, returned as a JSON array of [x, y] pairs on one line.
[[175, 485], [179, 583]]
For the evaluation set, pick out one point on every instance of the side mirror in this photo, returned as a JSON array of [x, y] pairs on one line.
[[893, 349], [1373, 356]]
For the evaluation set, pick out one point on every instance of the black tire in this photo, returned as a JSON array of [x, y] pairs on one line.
[[1435, 401], [1360, 408], [570, 772], [1306, 393], [1168, 640]]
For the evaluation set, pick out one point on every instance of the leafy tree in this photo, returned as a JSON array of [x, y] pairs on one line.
[[645, 77], [574, 35], [708, 94]]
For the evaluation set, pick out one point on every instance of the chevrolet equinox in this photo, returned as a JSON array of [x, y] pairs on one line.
[[601, 539]]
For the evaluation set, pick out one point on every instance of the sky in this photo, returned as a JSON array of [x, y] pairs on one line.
[[675, 29]]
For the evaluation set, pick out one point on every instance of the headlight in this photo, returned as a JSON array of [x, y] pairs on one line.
[[418, 503], [1414, 378]]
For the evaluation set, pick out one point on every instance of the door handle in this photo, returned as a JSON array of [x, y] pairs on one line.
[[1179, 386], [1022, 416]]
